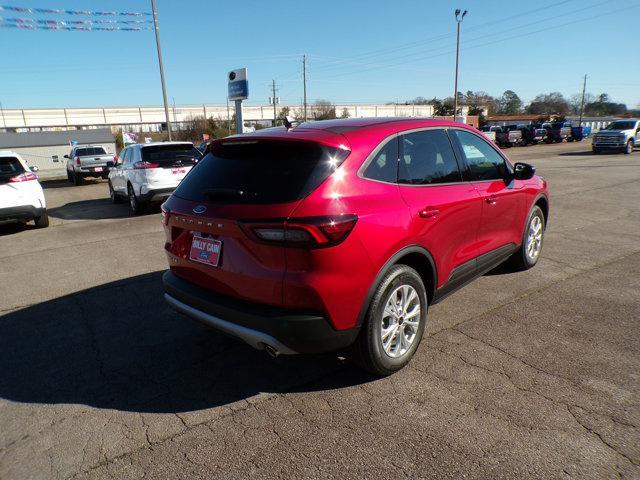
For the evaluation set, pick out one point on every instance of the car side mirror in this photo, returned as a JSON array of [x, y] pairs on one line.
[[34, 169], [66, 156], [523, 171]]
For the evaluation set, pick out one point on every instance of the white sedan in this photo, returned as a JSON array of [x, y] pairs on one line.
[[21, 196], [149, 172]]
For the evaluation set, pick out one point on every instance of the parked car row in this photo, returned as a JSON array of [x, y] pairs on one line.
[[549, 132]]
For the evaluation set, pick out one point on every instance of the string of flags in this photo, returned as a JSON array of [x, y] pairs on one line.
[[35, 26], [114, 24], [74, 22], [56, 11]]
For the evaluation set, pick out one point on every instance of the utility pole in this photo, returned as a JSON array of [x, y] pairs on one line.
[[173, 99], [455, 88], [584, 88], [273, 92], [164, 88], [304, 80], [4, 122]]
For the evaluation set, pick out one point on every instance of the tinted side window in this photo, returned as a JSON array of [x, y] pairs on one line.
[[483, 161], [384, 166], [426, 158]]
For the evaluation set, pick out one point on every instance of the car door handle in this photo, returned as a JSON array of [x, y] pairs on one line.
[[491, 199], [428, 212]]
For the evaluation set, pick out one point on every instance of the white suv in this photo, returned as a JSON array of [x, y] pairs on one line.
[[21, 196], [150, 172]]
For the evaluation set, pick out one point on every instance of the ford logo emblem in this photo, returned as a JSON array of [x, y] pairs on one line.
[[200, 209]]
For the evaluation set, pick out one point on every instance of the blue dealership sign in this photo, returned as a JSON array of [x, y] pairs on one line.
[[238, 84]]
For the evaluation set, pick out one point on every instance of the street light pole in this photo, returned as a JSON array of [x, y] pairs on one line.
[[164, 88], [455, 87]]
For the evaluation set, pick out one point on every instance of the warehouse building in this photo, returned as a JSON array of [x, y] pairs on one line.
[[46, 150]]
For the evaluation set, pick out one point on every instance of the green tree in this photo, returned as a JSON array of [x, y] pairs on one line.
[[510, 103], [549, 104], [603, 106], [345, 113]]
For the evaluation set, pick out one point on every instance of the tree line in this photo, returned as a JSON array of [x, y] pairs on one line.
[[509, 103]]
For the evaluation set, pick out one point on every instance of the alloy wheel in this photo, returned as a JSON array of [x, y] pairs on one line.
[[534, 238], [400, 321]]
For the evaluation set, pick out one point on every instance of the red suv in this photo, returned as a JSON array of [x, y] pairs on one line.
[[341, 233]]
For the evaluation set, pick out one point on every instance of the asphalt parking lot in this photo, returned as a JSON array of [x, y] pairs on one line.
[[521, 375]]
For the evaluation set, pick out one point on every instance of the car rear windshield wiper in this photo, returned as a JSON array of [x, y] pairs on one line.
[[227, 193]]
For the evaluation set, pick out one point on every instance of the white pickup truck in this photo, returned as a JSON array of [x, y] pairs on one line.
[[88, 161], [621, 135]]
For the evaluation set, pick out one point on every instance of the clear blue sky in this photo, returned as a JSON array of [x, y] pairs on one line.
[[359, 51]]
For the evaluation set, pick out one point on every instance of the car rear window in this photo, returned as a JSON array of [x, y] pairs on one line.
[[170, 154], [10, 167], [90, 151], [260, 171]]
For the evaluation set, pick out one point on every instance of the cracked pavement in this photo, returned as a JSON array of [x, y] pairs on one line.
[[520, 375]]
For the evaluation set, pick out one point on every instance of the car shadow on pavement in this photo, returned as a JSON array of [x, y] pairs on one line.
[[577, 154], [96, 209], [119, 346], [13, 228]]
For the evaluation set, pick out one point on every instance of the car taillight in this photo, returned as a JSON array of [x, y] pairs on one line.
[[23, 177], [164, 211], [142, 165], [115, 159], [78, 161], [311, 232]]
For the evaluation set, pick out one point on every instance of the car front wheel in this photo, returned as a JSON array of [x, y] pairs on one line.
[[115, 198], [529, 252], [395, 322], [629, 148], [136, 206]]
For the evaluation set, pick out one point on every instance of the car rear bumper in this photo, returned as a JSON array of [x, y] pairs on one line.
[[609, 145], [156, 194], [22, 213], [286, 331], [91, 171]]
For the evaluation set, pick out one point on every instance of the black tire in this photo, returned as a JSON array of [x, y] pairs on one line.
[[115, 198], [77, 179], [368, 348], [521, 260], [628, 149], [42, 221], [136, 206]]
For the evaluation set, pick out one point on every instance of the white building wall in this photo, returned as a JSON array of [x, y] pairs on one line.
[[115, 116]]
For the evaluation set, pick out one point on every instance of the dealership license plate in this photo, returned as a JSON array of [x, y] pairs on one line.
[[97, 169], [177, 171], [205, 250]]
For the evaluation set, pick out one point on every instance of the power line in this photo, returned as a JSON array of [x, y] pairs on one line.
[[472, 39], [491, 42], [439, 37]]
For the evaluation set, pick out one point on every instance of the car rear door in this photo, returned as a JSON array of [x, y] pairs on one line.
[[502, 197], [445, 210]]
